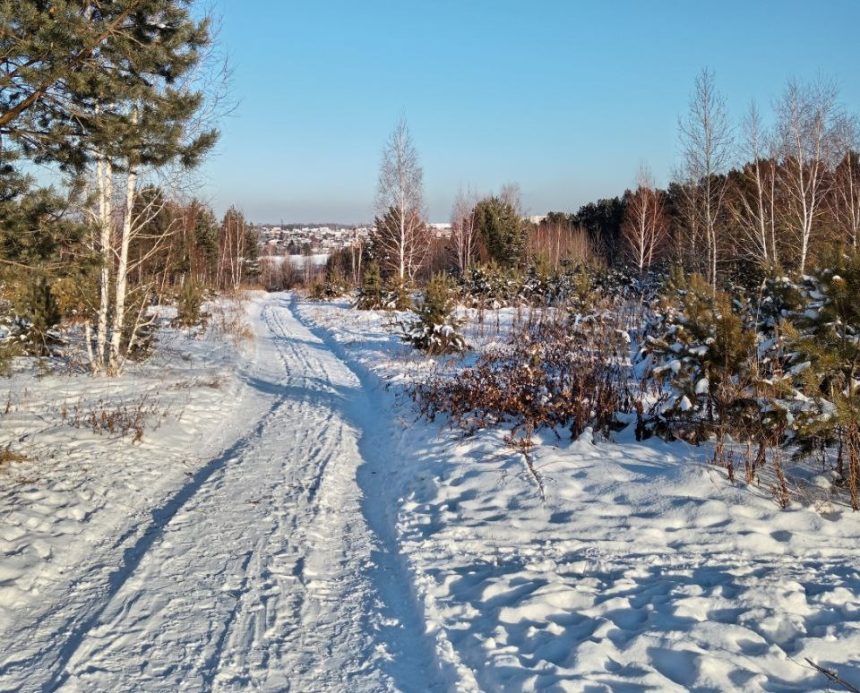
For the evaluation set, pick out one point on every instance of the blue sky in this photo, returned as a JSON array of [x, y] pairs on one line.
[[565, 98]]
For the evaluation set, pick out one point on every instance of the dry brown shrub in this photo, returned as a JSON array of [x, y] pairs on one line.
[[558, 372], [113, 418], [228, 318], [7, 454]]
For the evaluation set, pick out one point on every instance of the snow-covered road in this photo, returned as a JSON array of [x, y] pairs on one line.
[[274, 567]]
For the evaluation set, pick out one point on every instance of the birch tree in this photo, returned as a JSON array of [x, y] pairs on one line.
[[356, 253], [753, 202], [464, 233], [401, 233], [645, 226], [844, 199], [706, 141], [142, 121], [117, 225], [234, 244], [807, 127]]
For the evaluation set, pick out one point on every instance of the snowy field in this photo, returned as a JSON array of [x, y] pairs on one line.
[[287, 522]]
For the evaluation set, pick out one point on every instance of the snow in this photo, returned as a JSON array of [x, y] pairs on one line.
[[288, 522], [261, 563], [298, 261], [644, 569], [83, 499]]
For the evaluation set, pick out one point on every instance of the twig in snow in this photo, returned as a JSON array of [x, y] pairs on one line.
[[524, 446], [833, 676]]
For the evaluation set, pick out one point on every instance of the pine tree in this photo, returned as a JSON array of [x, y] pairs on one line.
[[398, 295], [73, 68], [40, 244], [436, 329], [826, 358], [43, 316], [334, 285], [105, 86], [189, 305], [706, 353], [371, 294], [500, 227]]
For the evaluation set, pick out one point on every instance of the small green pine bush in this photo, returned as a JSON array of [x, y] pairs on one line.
[[189, 305], [371, 295], [436, 331]]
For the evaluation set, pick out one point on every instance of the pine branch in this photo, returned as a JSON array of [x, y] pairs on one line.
[[76, 60]]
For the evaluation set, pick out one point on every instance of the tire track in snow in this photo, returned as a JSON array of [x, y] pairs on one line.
[[263, 571], [51, 661], [381, 443]]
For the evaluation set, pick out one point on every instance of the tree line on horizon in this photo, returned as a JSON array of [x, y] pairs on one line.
[[746, 201]]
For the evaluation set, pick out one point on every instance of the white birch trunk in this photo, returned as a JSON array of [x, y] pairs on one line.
[[115, 364], [104, 183]]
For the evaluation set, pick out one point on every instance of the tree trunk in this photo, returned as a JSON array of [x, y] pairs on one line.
[[104, 182], [115, 364]]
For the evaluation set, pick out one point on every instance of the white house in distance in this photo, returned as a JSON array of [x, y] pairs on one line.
[[441, 229]]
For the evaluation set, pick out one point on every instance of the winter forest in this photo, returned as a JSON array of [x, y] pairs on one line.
[[611, 447]]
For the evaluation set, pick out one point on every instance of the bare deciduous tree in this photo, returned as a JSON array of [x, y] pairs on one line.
[[686, 236], [706, 141], [807, 128], [103, 246], [356, 255], [128, 229], [844, 199], [464, 233], [645, 225], [116, 228], [557, 241], [510, 194], [400, 203], [234, 240], [753, 202]]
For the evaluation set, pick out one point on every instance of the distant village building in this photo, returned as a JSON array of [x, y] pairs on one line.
[[322, 240], [441, 229]]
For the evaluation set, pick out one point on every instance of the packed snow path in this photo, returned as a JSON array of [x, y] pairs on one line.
[[274, 568]]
